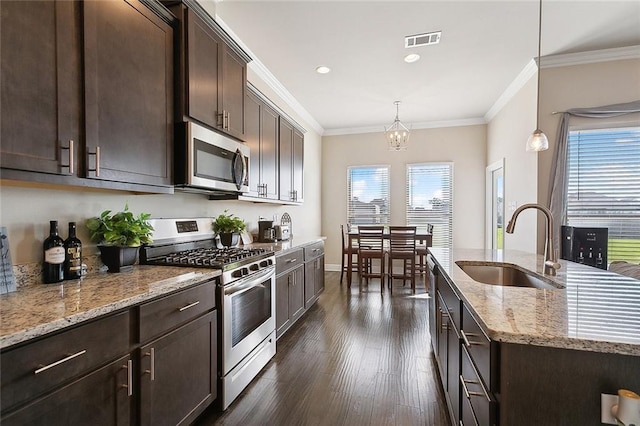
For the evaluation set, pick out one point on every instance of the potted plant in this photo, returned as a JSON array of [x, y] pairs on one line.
[[119, 237], [228, 227]]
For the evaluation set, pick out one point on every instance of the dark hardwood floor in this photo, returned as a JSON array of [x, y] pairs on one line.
[[353, 359]]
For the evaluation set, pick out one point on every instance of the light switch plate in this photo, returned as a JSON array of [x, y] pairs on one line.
[[606, 402]]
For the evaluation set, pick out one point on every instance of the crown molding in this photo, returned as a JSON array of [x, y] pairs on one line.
[[414, 126], [270, 80], [518, 83], [579, 58]]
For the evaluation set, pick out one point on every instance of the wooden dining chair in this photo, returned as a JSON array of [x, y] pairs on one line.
[[349, 263], [370, 247], [421, 251], [402, 246]]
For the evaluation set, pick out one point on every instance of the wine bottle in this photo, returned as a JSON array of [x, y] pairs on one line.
[[73, 255], [53, 265]]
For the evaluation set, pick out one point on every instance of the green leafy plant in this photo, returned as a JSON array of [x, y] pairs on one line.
[[228, 224], [120, 229]]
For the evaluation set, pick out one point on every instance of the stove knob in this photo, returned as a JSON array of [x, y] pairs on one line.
[[254, 267], [237, 274]]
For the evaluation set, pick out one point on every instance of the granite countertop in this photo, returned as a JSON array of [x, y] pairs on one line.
[[594, 310], [292, 243], [36, 310]]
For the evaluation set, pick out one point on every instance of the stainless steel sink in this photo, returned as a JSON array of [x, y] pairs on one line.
[[504, 274]]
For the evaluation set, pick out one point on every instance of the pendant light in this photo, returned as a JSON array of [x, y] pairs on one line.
[[397, 134], [538, 140]]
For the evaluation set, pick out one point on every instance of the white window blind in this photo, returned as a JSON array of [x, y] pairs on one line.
[[368, 192], [603, 186], [430, 200]]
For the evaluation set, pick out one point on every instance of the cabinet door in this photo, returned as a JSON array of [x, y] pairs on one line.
[[442, 339], [99, 398], [282, 303], [41, 101], [286, 160], [128, 53], [298, 166], [204, 48], [233, 90], [319, 275], [310, 283], [178, 373], [296, 293], [253, 107], [453, 372], [269, 151]]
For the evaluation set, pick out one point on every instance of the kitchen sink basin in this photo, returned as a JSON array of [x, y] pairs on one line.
[[504, 274]]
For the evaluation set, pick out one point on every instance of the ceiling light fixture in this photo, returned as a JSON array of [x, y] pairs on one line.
[[323, 70], [397, 134], [538, 140], [411, 58]]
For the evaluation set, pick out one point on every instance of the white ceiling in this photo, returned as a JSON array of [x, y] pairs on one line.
[[485, 45]]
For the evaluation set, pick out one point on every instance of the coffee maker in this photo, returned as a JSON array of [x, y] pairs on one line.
[[266, 231]]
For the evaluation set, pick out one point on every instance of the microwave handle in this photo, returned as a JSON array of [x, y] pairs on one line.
[[243, 173]]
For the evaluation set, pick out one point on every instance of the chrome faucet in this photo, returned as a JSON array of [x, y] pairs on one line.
[[550, 259]]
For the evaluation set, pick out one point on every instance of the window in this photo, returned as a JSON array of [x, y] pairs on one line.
[[603, 186], [429, 199], [368, 192]]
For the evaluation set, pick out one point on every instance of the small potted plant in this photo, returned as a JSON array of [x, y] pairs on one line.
[[228, 227], [119, 237]]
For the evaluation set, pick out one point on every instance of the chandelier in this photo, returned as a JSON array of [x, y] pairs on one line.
[[397, 134]]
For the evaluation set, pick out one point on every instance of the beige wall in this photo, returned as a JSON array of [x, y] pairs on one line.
[[507, 134], [580, 86], [464, 146], [26, 209]]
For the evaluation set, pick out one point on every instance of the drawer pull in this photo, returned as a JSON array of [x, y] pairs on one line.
[[292, 260], [468, 394], [469, 343], [129, 384], [190, 305], [63, 360], [152, 371]]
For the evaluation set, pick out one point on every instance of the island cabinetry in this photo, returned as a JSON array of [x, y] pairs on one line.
[[90, 361], [178, 370], [289, 289], [291, 162], [87, 94], [212, 76], [262, 138], [313, 273]]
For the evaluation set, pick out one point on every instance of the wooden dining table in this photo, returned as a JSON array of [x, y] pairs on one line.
[[421, 238]]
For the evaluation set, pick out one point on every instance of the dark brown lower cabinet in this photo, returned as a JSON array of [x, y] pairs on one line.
[[313, 272], [99, 398], [289, 298], [178, 373]]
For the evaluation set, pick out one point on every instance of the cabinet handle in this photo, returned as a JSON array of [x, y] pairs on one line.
[[190, 305], [71, 156], [468, 394], [63, 360], [225, 120], [467, 342], [97, 155], [152, 371], [129, 384], [292, 260]]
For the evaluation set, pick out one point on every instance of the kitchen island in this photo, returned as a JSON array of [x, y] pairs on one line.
[[517, 355]]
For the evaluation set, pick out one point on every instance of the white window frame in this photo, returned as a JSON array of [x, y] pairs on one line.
[[382, 218]]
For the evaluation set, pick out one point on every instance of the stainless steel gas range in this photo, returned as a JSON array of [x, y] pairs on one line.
[[245, 297]]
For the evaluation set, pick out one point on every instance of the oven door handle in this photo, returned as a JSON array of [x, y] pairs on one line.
[[247, 283]]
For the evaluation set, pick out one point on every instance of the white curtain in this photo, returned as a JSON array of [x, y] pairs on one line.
[[558, 194]]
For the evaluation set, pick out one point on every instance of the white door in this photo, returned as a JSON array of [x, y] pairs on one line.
[[494, 235]]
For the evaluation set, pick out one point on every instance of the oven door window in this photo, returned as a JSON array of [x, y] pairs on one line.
[[249, 310]]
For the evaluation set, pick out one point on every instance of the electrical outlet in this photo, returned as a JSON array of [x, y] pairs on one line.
[[606, 402]]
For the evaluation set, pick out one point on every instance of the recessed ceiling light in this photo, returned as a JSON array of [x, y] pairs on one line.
[[412, 57], [323, 70]]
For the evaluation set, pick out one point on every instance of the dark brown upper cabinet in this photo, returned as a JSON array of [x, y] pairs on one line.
[[87, 94], [262, 138], [41, 86], [128, 58], [291, 163], [212, 74]]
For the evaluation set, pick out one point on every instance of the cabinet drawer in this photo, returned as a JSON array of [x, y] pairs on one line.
[[162, 315], [475, 393], [313, 251], [452, 301], [33, 369], [479, 347], [289, 260]]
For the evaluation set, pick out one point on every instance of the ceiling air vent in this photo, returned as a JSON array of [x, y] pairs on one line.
[[422, 39]]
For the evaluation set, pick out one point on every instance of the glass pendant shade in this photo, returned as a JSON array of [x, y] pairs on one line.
[[537, 141], [397, 134]]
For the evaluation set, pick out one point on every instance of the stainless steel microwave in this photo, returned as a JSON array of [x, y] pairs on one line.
[[209, 161]]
